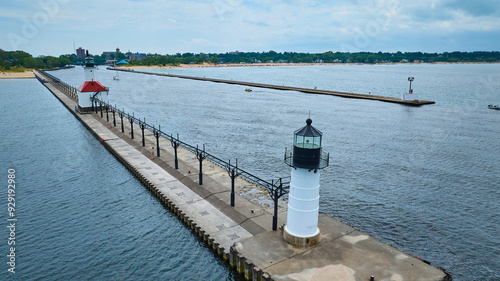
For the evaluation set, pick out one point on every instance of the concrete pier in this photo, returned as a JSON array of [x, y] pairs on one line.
[[242, 234], [288, 88]]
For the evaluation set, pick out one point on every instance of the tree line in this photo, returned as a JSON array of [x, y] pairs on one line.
[[18, 60], [326, 57]]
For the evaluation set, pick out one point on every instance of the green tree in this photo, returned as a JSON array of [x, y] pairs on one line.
[[372, 58], [188, 59], [177, 61], [213, 59], [29, 62], [17, 57]]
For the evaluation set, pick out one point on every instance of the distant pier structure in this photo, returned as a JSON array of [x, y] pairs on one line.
[[90, 88], [410, 101], [306, 159]]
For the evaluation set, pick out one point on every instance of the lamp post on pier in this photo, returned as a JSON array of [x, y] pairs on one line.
[[411, 80]]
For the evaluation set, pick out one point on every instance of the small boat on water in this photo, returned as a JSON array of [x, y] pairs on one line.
[[248, 89], [496, 107]]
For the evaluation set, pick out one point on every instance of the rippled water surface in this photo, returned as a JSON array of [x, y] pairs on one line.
[[423, 179], [81, 214]]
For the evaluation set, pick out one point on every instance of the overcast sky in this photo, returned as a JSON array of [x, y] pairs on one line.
[[49, 27]]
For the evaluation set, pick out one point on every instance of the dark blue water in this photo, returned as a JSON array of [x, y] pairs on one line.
[[423, 179], [81, 214]]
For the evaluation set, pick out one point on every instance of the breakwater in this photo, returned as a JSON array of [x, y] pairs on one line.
[[183, 190], [289, 88], [243, 232]]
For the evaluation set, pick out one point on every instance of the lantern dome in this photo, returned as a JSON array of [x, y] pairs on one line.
[[89, 61], [307, 137], [307, 152]]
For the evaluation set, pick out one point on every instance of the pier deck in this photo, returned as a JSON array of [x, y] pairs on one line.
[[289, 88], [244, 237]]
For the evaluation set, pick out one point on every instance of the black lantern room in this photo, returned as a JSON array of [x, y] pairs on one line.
[[89, 61], [307, 152]]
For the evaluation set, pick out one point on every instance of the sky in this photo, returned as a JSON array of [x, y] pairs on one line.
[[55, 27]]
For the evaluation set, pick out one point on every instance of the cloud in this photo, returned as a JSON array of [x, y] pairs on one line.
[[475, 8], [450, 17], [257, 25]]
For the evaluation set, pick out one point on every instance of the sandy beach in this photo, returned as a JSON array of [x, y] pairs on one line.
[[10, 75], [221, 65], [206, 65]]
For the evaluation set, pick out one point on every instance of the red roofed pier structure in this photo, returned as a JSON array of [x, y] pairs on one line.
[[90, 88]]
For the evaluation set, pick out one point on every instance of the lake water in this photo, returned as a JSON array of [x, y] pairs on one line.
[[81, 214], [424, 179]]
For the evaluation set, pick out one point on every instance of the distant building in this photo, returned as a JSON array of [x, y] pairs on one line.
[[80, 53], [108, 54], [137, 56]]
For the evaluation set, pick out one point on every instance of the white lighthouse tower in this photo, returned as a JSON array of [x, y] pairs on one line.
[[306, 160], [90, 88], [89, 67]]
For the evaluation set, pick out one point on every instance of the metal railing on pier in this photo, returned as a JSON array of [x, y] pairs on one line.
[[275, 188], [66, 88], [195, 149]]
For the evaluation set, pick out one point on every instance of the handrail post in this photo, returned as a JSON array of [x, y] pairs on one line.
[[233, 173], [232, 187], [157, 135], [142, 128], [131, 127], [175, 144], [201, 156], [277, 191], [158, 140], [121, 117]]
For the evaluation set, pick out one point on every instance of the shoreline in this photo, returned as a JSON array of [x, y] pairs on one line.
[[29, 73], [17, 75], [210, 65]]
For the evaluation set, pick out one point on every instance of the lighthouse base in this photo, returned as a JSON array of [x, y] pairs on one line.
[[298, 241]]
